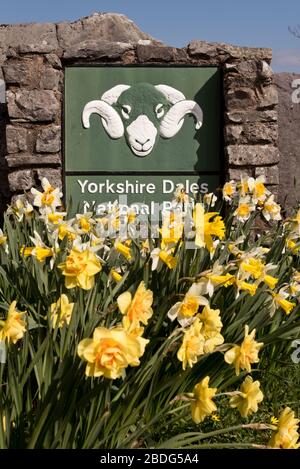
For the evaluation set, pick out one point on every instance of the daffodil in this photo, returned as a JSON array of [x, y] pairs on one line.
[[85, 222], [123, 249], [53, 219], [14, 327], [202, 403], [80, 269], [280, 301], [257, 270], [242, 356], [271, 210], [186, 310], [248, 398], [41, 251], [136, 309], [229, 190], [293, 243], [211, 328], [244, 209], [181, 198], [65, 229], [3, 241], [115, 275], [21, 208], [50, 199], [172, 229], [211, 319], [258, 189], [286, 436], [270, 281], [207, 225], [110, 351], [252, 267], [215, 277], [26, 251], [192, 345], [294, 286], [243, 186], [61, 311], [161, 256], [144, 248], [250, 288]]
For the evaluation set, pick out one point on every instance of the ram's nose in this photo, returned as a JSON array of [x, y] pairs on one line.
[[142, 143]]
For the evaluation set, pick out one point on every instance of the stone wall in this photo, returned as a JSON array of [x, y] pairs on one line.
[[32, 58], [289, 140]]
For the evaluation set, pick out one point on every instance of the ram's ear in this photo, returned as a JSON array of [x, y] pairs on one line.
[[172, 95], [112, 95], [111, 120]]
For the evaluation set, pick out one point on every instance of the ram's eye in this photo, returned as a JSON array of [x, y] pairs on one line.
[[159, 110], [126, 111]]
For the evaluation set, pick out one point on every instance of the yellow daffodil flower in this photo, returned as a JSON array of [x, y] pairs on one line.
[[211, 319], [229, 190], [255, 267], [246, 286], [186, 309], [110, 351], [212, 326], [202, 404], [85, 222], [215, 278], [21, 208], [244, 209], [80, 269], [3, 238], [115, 275], [242, 356], [270, 281], [65, 229], [258, 189], [271, 210], [249, 397], [180, 196], [61, 311], [207, 225], [192, 345], [172, 229], [161, 256], [280, 301], [14, 327], [286, 435], [123, 249], [136, 309], [243, 186], [49, 199]]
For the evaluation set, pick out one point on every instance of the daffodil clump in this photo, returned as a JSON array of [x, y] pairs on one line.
[[113, 330]]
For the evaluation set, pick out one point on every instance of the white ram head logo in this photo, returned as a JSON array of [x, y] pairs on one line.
[[141, 111]]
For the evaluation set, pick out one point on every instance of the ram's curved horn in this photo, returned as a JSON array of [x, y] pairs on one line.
[[111, 120], [171, 93], [173, 120]]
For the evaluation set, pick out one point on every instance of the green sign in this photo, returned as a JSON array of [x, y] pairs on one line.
[[151, 127]]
